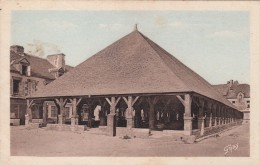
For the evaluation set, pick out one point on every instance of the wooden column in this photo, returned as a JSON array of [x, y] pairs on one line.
[[28, 116], [233, 115], [210, 113], [74, 118], [129, 112], [111, 123], [152, 100], [228, 115], [201, 117], [103, 112], [220, 115], [61, 103], [186, 102], [44, 113], [90, 103], [224, 115], [214, 114]]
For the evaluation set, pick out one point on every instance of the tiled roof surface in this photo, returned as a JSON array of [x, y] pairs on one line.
[[39, 66], [133, 64], [236, 88]]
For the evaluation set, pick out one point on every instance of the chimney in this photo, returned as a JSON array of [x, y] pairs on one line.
[[230, 83], [17, 49], [57, 60]]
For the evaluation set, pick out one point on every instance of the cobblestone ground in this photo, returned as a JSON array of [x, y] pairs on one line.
[[40, 142]]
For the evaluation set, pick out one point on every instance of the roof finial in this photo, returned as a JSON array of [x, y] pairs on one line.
[[136, 29]]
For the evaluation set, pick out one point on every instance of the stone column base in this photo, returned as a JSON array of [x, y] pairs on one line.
[[188, 125], [27, 120], [74, 120], [129, 122], [215, 122], [201, 125], [77, 120], [61, 119]]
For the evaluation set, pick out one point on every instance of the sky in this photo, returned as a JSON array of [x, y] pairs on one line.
[[214, 44]]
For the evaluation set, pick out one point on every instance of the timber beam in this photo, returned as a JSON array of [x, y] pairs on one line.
[[28, 116], [113, 102]]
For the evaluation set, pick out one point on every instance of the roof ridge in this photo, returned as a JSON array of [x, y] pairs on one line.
[[26, 54], [108, 46], [145, 38]]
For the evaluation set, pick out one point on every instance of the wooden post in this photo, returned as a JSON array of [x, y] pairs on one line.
[[111, 123], [113, 102], [90, 112], [214, 110], [217, 113], [201, 116], [228, 116], [224, 115], [44, 113], [186, 102], [28, 116], [152, 100], [129, 112], [74, 117], [233, 115], [61, 103], [220, 115], [210, 113], [103, 112]]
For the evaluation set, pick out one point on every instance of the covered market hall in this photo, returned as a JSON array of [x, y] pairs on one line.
[[133, 87]]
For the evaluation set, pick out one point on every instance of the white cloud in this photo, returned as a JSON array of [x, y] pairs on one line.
[[225, 34], [40, 48], [57, 25], [114, 26]]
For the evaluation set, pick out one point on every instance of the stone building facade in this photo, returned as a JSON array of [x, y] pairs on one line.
[[28, 74], [238, 95]]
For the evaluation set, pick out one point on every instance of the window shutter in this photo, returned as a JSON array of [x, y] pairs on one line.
[[29, 71], [33, 86], [22, 85], [26, 88]]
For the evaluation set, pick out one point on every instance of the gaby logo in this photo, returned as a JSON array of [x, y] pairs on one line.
[[230, 148]]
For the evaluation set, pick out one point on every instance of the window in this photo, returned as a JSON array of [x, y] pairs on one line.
[[60, 74], [54, 111], [248, 105], [233, 102], [24, 70], [248, 101], [36, 111], [16, 84]]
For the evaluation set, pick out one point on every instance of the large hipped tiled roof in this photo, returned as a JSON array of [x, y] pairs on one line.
[[133, 64]]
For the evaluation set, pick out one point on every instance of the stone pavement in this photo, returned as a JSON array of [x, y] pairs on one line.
[[40, 142]]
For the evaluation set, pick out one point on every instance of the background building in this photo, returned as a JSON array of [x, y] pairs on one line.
[[28, 74], [238, 95]]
